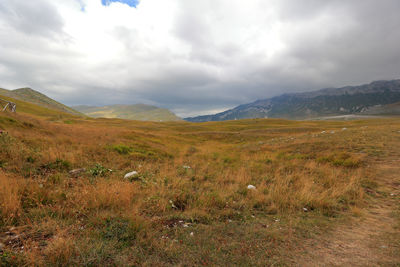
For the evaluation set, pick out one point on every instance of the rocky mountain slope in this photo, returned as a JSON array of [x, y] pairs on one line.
[[374, 98]]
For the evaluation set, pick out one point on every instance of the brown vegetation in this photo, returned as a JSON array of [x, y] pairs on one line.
[[192, 178]]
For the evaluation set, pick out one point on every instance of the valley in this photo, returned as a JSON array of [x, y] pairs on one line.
[[191, 202]]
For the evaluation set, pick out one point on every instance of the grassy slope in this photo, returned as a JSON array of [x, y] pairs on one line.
[[131, 112], [36, 110], [34, 97], [99, 218]]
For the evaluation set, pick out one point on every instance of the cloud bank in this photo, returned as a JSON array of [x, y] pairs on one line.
[[194, 57]]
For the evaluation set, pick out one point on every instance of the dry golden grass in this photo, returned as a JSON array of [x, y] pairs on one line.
[[10, 199], [304, 180]]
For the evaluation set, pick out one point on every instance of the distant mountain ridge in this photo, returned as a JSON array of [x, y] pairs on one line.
[[131, 112], [35, 97], [363, 99]]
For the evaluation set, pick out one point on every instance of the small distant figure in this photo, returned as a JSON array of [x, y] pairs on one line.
[[13, 107], [7, 104]]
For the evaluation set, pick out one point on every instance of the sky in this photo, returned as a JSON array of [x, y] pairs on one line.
[[194, 57]]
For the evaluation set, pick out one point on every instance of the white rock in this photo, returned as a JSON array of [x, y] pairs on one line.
[[323, 132], [186, 167], [305, 209], [191, 234], [130, 174], [251, 187], [344, 129]]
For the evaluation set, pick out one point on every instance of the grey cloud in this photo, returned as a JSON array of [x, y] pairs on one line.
[[37, 17], [325, 44]]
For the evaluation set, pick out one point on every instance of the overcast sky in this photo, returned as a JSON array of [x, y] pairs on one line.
[[194, 56]]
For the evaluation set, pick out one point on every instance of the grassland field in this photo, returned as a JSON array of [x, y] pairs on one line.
[[189, 205]]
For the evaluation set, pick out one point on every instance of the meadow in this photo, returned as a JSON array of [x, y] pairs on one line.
[[189, 204]]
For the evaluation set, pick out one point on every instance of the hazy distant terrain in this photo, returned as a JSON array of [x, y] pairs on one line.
[[374, 98], [139, 112]]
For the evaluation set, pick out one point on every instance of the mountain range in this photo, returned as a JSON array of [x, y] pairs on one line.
[[131, 112], [376, 98], [379, 97]]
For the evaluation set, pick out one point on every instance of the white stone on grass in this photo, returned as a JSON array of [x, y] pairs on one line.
[[130, 174], [251, 187]]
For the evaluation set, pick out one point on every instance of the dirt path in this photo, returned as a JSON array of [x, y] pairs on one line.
[[373, 239]]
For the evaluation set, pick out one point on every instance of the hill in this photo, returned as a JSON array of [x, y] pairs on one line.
[[139, 112], [35, 97], [28, 108], [363, 99]]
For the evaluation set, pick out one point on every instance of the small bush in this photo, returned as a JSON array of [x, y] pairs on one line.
[[98, 170]]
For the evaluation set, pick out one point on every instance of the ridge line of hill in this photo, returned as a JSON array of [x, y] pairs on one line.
[[368, 99], [32, 96]]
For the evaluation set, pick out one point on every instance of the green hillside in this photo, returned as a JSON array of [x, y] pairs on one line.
[[32, 96], [131, 112], [34, 109]]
